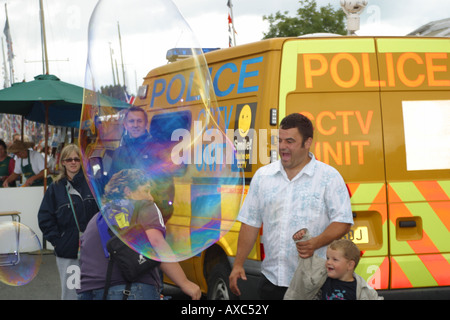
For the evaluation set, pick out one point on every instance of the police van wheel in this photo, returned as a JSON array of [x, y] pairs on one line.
[[218, 287]]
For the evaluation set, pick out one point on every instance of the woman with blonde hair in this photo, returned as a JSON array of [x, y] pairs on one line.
[[65, 211], [66, 153]]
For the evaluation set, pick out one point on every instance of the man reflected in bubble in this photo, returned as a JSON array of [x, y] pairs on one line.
[[140, 150], [130, 210], [133, 151]]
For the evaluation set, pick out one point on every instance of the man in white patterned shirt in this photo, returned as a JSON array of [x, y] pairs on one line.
[[292, 193]]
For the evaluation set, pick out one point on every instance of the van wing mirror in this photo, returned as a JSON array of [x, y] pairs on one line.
[[96, 167]]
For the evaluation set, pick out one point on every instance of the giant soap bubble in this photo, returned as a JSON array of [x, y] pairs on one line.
[[20, 253], [171, 163]]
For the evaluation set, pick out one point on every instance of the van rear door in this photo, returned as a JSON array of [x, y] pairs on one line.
[[416, 115]]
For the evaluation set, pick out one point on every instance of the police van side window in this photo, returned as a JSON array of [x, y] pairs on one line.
[[163, 125]]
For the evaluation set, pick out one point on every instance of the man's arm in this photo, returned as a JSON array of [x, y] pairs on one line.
[[246, 241], [172, 269], [10, 179], [31, 179]]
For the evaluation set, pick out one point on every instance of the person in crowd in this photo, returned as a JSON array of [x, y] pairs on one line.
[[65, 211], [30, 163], [330, 279], [6, 165], [139, 150], [295, 191], [129, 196], [133, 151]]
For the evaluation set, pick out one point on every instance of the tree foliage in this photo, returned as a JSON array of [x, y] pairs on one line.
[[309, 19], [115, 91]]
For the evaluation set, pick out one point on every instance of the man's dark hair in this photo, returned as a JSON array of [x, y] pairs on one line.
[[299, 121], [3, 144], [136, 109]]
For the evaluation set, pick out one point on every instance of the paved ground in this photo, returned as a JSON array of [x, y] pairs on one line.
[[46, 285]]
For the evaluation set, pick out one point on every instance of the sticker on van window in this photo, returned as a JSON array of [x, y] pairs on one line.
[[244, 135], [427, 134]]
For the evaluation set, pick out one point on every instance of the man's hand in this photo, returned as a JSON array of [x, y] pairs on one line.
[[192, 290], [28, 182], [306, 249], [334, 231], [236, 273], [247, 238], [298, 236]]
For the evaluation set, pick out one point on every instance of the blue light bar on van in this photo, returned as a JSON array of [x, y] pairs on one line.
[[175, 54]]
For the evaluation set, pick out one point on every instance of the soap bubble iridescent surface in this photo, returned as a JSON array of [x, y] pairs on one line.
[[176, 152], [20, 253]]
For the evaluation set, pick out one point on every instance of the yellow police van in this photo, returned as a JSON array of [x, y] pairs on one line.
[[381, 112]]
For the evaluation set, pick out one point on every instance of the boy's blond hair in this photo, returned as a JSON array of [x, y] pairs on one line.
[[350, 250]]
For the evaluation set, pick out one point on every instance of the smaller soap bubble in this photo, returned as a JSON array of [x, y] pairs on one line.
[[20, 253]]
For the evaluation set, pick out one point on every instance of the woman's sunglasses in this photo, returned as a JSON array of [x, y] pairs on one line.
[[72, 159]]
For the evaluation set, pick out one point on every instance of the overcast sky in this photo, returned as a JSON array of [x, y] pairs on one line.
[[67, 24]]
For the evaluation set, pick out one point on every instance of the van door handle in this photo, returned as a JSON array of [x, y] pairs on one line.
[[407, 224]]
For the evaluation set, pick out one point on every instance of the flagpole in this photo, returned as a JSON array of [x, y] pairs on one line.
[[7, 33], [121, 55], [230, 5], [46, 103], [112, 63], [6, 79], [44, 40]]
